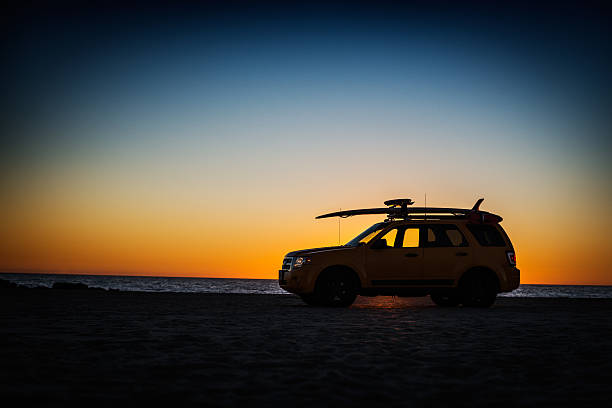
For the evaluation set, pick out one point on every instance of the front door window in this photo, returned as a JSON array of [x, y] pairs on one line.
[[411, 238]]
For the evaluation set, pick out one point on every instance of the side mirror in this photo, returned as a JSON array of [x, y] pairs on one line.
[[380, 244]]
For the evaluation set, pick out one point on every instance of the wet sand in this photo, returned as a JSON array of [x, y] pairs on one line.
[[80, 346]]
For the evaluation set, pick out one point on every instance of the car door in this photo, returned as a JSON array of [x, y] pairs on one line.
[[447, 254], [396, 257]]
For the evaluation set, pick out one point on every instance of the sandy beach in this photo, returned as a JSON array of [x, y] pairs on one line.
[[78, 346]]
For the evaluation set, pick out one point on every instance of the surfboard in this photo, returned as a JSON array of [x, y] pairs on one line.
[[398, 208]]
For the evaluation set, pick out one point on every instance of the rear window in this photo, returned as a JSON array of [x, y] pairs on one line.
[[487, 235]]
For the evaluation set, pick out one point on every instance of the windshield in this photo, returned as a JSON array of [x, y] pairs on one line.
[[366, 235]]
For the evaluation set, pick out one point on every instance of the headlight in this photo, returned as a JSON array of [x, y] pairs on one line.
[[301, 261]]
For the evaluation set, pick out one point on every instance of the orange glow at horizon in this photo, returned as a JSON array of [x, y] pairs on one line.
[[88, 234]]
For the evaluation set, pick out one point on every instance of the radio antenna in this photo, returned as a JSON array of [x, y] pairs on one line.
[[339, 229], [425, 205]]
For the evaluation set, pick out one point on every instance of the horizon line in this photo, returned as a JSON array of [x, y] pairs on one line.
[[46, 272]]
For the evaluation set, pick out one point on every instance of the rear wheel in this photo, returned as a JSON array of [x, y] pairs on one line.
[[445, 299], [478, 290], [336, 289]]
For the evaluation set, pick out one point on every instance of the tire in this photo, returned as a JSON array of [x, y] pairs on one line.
[[478, 290], [445, 299], [336, 289]]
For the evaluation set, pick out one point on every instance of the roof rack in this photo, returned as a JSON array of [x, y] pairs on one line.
[[398, 209]]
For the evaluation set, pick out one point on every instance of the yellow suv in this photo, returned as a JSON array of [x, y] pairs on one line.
[[457, 256]]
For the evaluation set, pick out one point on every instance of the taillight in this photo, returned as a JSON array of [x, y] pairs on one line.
[[511, 257]]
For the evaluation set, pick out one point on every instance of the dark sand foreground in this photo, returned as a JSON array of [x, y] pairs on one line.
[[72, 346]]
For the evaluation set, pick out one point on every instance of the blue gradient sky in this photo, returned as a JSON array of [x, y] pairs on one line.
[[121, 119]]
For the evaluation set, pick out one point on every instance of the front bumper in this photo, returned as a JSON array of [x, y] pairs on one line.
[[297, 280], [283, 276]]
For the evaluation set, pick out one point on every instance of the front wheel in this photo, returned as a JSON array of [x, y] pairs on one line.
[[336, 289]]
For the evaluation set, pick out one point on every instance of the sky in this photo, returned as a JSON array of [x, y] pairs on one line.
[[203, 141]]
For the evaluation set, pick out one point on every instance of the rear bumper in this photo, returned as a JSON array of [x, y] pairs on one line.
[[512, 279]]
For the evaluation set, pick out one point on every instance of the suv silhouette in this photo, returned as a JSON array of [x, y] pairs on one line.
[[457, 256]]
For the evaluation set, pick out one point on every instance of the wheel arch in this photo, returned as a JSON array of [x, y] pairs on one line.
[[340, 268]]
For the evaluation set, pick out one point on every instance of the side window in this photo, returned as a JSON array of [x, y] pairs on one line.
[[486, 235], [455, 236], [431, 237], [390, 236], [411, 238], [445, 236]]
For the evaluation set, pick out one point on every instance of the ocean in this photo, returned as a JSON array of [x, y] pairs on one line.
[[256, 286]]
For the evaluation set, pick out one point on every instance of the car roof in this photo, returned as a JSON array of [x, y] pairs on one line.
[[450, 220], [434, 221], [433, 218]]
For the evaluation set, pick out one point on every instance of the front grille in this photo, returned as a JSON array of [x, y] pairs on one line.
[[287, 263]]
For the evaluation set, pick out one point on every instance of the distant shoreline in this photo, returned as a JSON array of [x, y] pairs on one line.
[[41, 282]]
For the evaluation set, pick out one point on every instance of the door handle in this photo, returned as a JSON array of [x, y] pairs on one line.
[[461, 254], [411, 255]]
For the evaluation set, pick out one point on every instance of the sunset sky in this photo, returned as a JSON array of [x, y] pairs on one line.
[[203, 142]]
